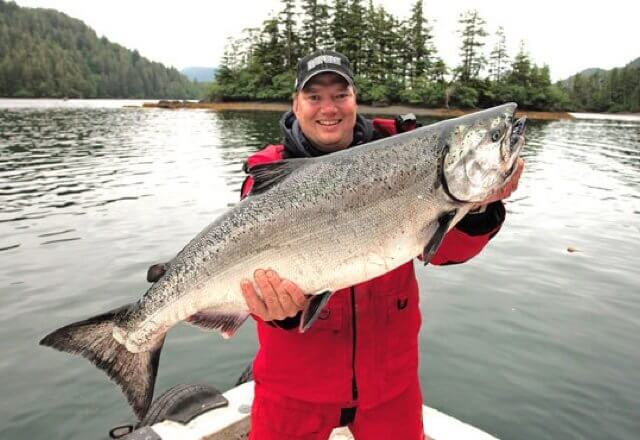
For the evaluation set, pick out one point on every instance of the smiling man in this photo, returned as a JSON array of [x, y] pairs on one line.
[[357, 366]]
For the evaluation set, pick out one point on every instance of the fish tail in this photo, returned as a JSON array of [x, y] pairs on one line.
[[93, 339]]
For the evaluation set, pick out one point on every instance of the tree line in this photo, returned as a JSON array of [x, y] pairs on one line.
[[44, 53], [616, 90], [395, 60]]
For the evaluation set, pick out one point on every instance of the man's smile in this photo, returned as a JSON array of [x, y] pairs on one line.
[[329, 122]]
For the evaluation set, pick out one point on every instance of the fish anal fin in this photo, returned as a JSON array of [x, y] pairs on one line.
[[313, 308], [227, 323], [443, 223], [269, 174]]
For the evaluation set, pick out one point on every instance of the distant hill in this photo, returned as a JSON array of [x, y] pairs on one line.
[[635, 63], [597, 71], [591, 71], [200, 74], [599, 90], [45, 53]]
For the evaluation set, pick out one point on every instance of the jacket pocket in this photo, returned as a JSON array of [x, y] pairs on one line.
[[401, 337]]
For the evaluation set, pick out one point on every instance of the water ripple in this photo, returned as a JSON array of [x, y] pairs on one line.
[[91, 196]]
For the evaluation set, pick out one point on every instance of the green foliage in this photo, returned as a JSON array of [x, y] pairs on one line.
[[617, 90], [472, 34], [464, 96], [499, 57], [315, 33], [424, 92], [395, 60], [44, 53]]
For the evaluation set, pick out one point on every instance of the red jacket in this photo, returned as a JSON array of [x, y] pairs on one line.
[[363, 349]]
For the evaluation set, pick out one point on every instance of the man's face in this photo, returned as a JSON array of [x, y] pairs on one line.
[[326, 111]]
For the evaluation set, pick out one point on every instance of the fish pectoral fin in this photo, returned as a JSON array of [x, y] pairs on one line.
[[269, 174], [313, 309], [434, 242], [227, 323]]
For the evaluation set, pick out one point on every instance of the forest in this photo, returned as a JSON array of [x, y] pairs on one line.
[[45, 53], [396, 60]]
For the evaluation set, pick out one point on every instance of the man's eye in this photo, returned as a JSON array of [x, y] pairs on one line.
[[313, 98], [342, 96]]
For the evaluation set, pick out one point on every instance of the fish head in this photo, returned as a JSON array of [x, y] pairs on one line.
[[481, 152]]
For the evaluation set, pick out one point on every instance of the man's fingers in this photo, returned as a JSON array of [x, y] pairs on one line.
[[278, 298], [269, 295], [296, 294], [288, 306], [255, 304]]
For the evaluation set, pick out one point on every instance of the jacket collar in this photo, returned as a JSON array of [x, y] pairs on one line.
[[297, 145]]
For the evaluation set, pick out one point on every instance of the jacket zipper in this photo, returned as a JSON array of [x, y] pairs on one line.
[[354, 385]]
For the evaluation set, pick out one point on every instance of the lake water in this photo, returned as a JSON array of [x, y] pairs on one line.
[[526, 341]]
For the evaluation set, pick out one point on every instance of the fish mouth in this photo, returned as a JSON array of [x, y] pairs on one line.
[[517, 130], [516, 142]]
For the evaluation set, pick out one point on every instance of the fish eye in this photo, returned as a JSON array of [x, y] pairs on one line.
[[495, 135]]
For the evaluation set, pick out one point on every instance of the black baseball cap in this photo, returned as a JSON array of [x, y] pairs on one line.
[[322, 61]]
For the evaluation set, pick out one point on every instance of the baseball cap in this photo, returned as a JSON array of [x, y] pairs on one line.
[[322, 61]]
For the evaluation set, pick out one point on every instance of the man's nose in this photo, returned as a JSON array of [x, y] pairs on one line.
[[328, 106]]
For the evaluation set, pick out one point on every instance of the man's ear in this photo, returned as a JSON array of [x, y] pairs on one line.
[[294, 105]]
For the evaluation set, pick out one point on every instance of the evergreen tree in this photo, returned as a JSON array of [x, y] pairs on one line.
[[499, 58], [420, 42], [521, 67], [340, 25], [472, 34], [289, 33], [315, 33], [354, 33]]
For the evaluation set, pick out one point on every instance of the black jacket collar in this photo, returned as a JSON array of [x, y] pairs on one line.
[[297, 145]]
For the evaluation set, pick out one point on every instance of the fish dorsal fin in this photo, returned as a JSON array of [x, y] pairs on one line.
[[156, 271], [434, 242], [313, 309], [266, 175]]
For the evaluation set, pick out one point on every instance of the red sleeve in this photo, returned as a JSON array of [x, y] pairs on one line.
[[458, 247], [470, 236]]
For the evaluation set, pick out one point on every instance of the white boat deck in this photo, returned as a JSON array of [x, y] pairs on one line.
[[232, 423]]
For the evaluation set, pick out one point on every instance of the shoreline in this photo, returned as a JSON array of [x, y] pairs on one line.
[[394, 109]]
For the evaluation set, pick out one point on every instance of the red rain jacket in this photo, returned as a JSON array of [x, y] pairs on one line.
[[363, 349]]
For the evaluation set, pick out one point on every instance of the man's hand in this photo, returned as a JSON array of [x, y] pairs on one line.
[[507, 189], [278, 298]]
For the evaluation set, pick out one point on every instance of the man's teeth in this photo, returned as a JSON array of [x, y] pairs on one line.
[[329, 123]]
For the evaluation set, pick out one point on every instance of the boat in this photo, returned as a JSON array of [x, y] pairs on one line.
[[200, 412]]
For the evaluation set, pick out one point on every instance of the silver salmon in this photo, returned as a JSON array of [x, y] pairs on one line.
[[325, 223]]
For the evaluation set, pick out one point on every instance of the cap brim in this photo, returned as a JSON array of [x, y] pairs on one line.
[[346, 77]]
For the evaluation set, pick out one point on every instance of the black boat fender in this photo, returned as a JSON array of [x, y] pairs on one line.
[[181, 403]]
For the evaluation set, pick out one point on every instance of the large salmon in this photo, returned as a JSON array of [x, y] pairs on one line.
[[325, 223]]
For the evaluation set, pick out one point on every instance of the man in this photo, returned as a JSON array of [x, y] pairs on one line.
[[357, 366]]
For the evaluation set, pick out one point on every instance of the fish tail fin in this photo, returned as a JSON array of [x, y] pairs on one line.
[[93, 339]]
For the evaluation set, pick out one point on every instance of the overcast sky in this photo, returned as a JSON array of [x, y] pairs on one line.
[[568, 36]]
